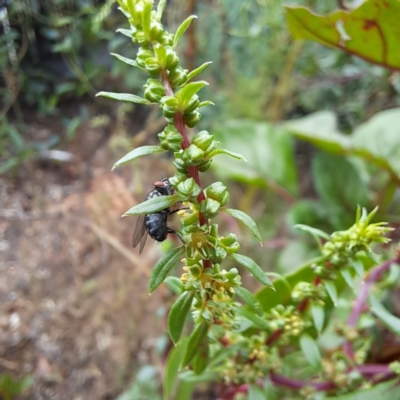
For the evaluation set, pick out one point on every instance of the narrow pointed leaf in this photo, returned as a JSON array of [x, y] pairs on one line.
[[190, 376], [389, 320], [164, 266], [188, 91], [153, 205], [347, 277], [146, 18], [139, 152], [160, 9], [201, 359], [258, 321], [310, 349], [245, 219], [125, 32], [195, 339], [198, 70], [224, 353], [182, 29], [249, 299], [232, 154], [253, 268], [174, 284], [177, 315], [172, 368], [318, 314], [359, 268], [332, 291], [128, 61], [257, 393], [130, 98], [206, 103], [317, 233]]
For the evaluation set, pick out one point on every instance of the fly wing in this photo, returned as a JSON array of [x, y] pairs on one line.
[[139, 234]]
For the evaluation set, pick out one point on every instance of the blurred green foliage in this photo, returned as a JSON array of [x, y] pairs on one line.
[[10, 387]]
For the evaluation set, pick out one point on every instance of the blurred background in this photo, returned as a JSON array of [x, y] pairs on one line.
[[76, 321]]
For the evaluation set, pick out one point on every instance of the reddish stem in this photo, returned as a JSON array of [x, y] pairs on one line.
[[296, 384], [361, 300], [193, 171]]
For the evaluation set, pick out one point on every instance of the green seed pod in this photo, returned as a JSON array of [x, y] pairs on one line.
[[219, 192], [230, 243], [154, 90], [193, 104], [181, 166], [203, 140], [193, 155], [178, 77], [232, 274], [192, 119], [166, 39], [156, 30], [190, 219], [152, 66], [204, 166], [178, 177], [218, 254], [172, 59], [170, 106], [188, 190], [209, 208], [170, 138], [142, 55]]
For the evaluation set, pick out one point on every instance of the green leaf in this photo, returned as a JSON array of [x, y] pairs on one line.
[[188, 91], [182, 29], [383, 391], [268, 150], [369, 31], [223, 354], [332, 291], [245, 219], [146, 18], [345, 272], [329, 138], [201, 358], [177, 315], [125, 32], [318, 314], [128, 61], [252, 267], [359, 268], [195, 339], [185, 390], [174, 284], [249, 299], [172, 368], [378, 140], [163, 266], [258, 321], [389, 320], [315, 233], [233, 154], [136, 153], [256, 393], [124, 97], [197, 71], [160, 9], [153, 205], [339, 183], [206, 103], [310, 349], [190, 376]]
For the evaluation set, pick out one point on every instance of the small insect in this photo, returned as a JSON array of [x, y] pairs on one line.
[[154, 224]]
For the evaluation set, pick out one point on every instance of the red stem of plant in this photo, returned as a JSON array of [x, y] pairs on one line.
[[193, 171], [361, 300]]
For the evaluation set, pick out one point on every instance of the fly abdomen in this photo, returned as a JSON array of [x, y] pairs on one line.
[[156, 225]]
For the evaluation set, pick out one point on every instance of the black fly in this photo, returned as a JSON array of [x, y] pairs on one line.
[[154, 224]]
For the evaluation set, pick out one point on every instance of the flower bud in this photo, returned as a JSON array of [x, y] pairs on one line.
[[203, 140], [172, 59], [218, 254], [178, 177], [230, 243], [166, 39], [141, 38], [188, 190], [170, 138], [209, 208], [154, 90], [204, 166], [170, 106], [192, 119], [219, 192], [181, 165], [142, 55], [193, 104], [152, 66], [156, 30], [214, 231], [178, 77], [193, 155]]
